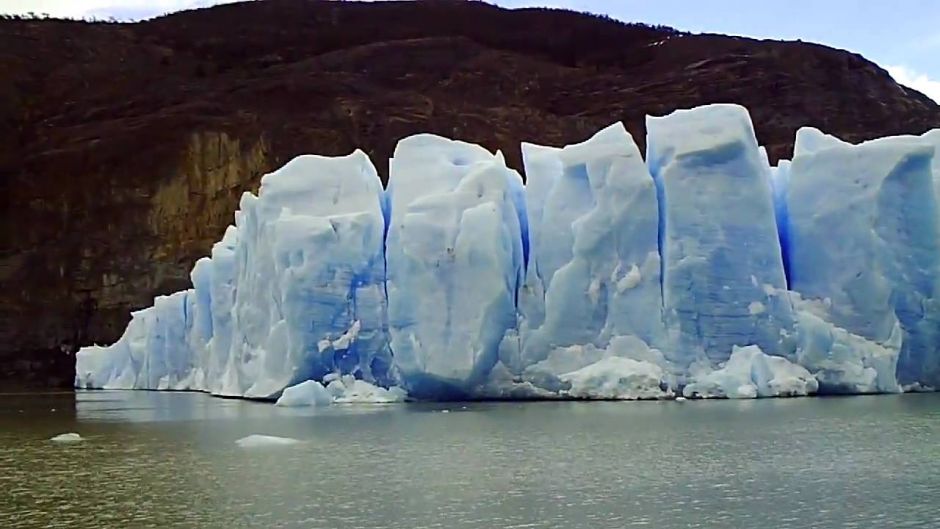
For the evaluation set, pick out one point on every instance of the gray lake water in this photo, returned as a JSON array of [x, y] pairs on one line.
[[170, 460]]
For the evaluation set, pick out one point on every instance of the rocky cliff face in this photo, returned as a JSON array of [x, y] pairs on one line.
[[126, 146]]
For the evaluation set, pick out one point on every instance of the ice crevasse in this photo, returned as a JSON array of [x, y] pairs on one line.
[[700, 270]]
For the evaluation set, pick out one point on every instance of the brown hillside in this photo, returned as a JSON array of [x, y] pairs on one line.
[[126, 146]]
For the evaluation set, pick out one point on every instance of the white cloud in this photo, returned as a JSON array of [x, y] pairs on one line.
[[916, 80], [121, 9]]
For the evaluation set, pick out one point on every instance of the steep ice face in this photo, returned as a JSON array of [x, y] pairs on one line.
[[294, 291], [863, 240], [105, 367], [200, 333], [168, 362], [221, 274], [598, 279], [455, 256], [780, 182], [718, 239], [933, 138], [843, 362], [153, 353], [310, 261], [593, 270]]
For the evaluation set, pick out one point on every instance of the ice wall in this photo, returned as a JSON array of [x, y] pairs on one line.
[[455, 257], [703, 270], [294, 291], [593, 272], [780, 182], [723, 277], [310, 296], [863, 240], [217, 283], [153, 352]]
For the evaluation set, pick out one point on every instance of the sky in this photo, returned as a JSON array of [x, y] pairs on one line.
[[903, 36]]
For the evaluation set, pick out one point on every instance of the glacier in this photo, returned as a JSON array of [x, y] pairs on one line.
[[593, 269], [722, 263], [697, 271], [454, 257], [863, 237], [295, 291]]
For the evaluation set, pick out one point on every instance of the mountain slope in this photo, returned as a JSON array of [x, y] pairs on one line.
[[126, 146]]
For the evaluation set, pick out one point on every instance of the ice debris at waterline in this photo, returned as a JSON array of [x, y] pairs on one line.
[[701, 271], [345, 390], [750, 373]]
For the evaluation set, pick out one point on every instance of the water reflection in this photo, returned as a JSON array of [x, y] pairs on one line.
[[169, 460]]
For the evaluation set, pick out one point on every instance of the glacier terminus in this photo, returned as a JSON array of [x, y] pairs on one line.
[[696, 270]]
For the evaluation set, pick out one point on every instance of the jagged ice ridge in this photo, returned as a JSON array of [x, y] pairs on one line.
[[702, 271]]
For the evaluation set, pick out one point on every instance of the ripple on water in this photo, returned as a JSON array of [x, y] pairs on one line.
[[171, 461]]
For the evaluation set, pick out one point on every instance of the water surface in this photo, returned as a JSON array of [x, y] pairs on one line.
[[170, 460]]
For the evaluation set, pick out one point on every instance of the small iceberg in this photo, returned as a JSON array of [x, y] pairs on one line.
[[344, 389], [309, 393], [259, 441], [67, 438]]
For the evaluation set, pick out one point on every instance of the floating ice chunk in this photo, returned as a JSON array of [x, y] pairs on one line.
[[593, 269], [67, 438], [307, 393], [749, 373], [617, 378], [455, 258], [348, 390], [718, 233], [262, 441]]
